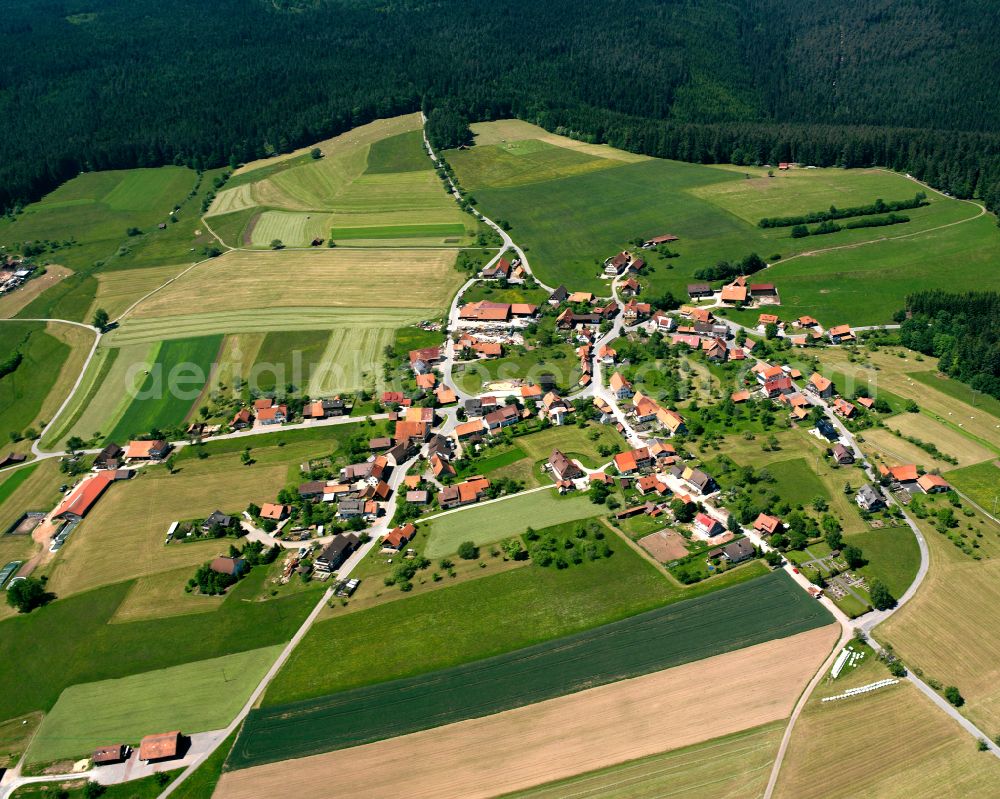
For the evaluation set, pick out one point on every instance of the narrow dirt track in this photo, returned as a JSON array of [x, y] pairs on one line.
[[560, 737]]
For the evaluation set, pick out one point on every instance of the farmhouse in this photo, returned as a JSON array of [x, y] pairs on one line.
[[616, 264], [504, 416], [869, 498], [563, 468], [162, 746], [735, 292], [555, 408], [633, 461], [666, 238], [336, 552], [109, 755], [766, 293], [407, 432], [697, 291], [906, 475], [423, 360], [559, 296], [242, 419], [467, 493], [82, 498], [498, 271], [630, 286], [933, 484], [840, 334], [633, 311], [275, 414], [621, 387], [146, 450], [110, 457], [445, 395], [471, 429], [484, 311], [399, 537]]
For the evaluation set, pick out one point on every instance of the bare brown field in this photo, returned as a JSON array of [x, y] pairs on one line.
[[666, 545], [244, 280], [123, 537], [560, 737], [949, 629], [891, 744], [11, 304]]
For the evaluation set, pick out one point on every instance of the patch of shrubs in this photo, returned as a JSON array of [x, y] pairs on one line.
[[583, 543]]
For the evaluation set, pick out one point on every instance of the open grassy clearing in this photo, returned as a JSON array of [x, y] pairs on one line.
[[709, 625], [12, 303], [81, 647], [160, 595], [403, 152], [117, 290], [795, 482], [15, 734], [573, 441], [104, 394], [893, 372], [484, 524], [23, 391], [289, 357], [981, 483], [558, 360], [958, 390], [31, 488], [95, 209], [122, 537], [149, 331], [328, 278], [175, 380], [733, 765], [948, 629], [515, 130], [892, 743], [561, 737], [714, 211], [893, 556], [195, 697]]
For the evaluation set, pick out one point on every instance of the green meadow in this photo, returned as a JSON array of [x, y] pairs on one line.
[[171, 387], [23, 391], [572, 208], [980, 482], [194, 697]]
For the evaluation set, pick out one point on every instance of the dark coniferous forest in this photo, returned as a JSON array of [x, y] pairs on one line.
[[96, 84]]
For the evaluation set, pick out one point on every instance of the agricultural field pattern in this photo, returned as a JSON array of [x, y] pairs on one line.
[[429, 457]]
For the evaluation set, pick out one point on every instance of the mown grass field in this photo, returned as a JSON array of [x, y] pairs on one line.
[[981, 483], [117, 290], [174, 381], [484, 524], [81, 647], [288, 357], [143, 788], [239, 281], [23, 391], [893, 556], [374, 185], [958, 390], [471, 620], [123, 536], [15, 735], [159, 595], [537, 181], [796, 483], [734, 765], [892, 743], [194, 697], [948, 628], [768, 608], [352, 358]]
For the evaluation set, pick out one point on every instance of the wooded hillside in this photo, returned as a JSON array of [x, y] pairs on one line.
[[94, 84]]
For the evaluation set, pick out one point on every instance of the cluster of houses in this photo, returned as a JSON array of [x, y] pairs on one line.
[[623, 262], [644, 410], [13, 273], [509, 271], [737, 293]]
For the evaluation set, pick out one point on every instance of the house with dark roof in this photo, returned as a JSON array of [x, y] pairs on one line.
[[869, 498], [563, 468], [738, 551], [336, 552], [843, 455]]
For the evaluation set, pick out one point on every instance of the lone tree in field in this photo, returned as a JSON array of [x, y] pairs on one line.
[[953, 695], [28, 594], [101, 319], [74, 443], [277, 244], [315, 153]]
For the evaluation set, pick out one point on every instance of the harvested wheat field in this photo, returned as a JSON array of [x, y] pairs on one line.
[[116, 291], [243, 280], [560, 737]]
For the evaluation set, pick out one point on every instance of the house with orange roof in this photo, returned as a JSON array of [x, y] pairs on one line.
[[708, 526], [621, 387], [650, 483], [767, 525], [740, 396], [468, 429], [423, 360], [146, 450], [798, 340], [843, 407], [522, 310], [933, 483], [866, 402], [411, 432], [768, 319], [702, 315], [907, 473], [778, 385], [806, 321], [531, 391], [262, 403], [426, 381], [820, 386], [765, 372], [671, 420], [581, 296], [445, 395], [467, 493], [439, 466], [800, 413], [733, 294], [274, 511], [242, 420], [484, 311], [84, 496], [555, 408], [841, 334], [276, 414], [399, 537], [425, 415]]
